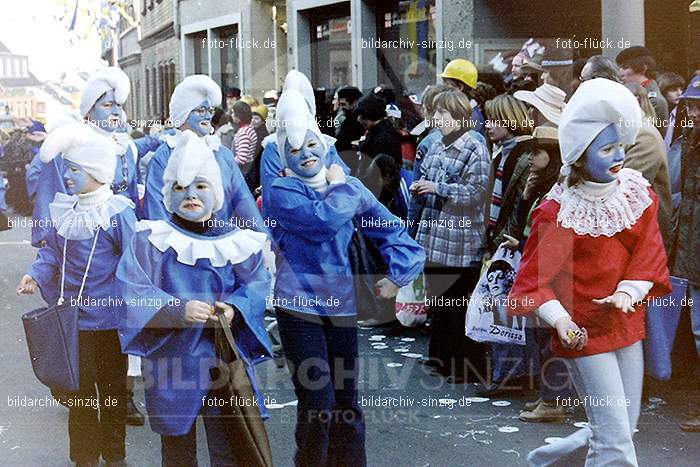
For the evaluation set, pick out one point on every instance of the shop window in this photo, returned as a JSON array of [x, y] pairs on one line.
[[331, 58], [201, 52], [408, 62], [228, 58]]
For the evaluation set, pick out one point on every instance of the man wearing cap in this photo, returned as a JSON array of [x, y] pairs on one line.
[[463, 75], [638, 66], [191, 108], [684, 255]]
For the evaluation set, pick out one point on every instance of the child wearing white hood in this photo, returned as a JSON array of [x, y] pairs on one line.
[[593, 255], [83, 247]]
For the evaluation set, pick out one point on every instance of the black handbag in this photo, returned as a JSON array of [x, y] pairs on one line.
[[368, 267], [52, 337]]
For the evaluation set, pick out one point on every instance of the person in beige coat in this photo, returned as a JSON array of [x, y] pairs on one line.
[[648, 156]]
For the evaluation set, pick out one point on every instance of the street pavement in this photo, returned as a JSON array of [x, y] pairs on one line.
[[413, 418]]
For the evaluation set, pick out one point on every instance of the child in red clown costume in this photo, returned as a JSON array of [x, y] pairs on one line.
[[594, 256]]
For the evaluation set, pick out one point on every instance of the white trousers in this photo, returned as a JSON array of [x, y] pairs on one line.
[[609, 385]]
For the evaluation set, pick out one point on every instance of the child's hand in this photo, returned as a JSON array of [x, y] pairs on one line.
[[197, 312], [570, 335], [619, 300], [386, 288], [228, 312], [511, 243], [335, 173], [27, 285]]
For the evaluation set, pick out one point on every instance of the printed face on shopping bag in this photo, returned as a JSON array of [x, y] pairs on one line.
[[106, 112], [497, 278], [194, 202], [76, 179], [199, 119], [307, 160], [604, 156]]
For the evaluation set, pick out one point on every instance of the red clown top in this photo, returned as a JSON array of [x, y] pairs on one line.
[[583, 244]]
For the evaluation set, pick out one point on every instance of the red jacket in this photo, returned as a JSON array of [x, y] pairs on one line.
[[559, 264]]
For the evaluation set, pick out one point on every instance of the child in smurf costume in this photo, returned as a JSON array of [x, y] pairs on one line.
[[101, 108], [173, 274], [313, 208], [192, 108], [77, 263]]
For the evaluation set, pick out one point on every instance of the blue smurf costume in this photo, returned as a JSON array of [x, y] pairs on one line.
[[101, 106], [77, 264], [172, 275], [192, 108], [314, 207], [271, 164]]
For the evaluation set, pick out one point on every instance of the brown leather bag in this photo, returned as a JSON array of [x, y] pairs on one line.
[[245, 426]]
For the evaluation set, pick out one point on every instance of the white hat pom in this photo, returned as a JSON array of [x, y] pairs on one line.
[[102, 81], [191, 92], [79, 144], [298, 81]]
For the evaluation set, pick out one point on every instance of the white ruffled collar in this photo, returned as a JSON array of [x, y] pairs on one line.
[[233, 247], [77, 217], [606, 209], [213, 142]]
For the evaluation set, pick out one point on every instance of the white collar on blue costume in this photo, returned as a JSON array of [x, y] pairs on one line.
[[233, 247], [77, 217], [597, 209], [121, 139], [213, 141]]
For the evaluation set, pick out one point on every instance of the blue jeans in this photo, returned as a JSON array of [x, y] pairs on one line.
[[182, 450], [322, 358]]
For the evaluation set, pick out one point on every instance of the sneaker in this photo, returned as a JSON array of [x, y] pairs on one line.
[[545, 412], [691, 424], [530, 406]]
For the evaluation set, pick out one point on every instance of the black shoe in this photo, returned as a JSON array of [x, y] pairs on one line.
[[134, 417]]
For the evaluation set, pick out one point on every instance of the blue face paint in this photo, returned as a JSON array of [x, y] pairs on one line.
[[194, 202], [199, 119], [604, 156], [74, 177], [308, 160], [106, 112]]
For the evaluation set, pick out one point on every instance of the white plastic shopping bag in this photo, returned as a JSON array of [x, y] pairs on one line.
[[487, 318], [411, 309]]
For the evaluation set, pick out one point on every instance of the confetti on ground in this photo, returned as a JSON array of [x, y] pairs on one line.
[[477, 399], [552, 439], [447, 401], [394, 365], [511, 451], [508, 429], [412, 355], [501, 403], [274, 406], [293, 403], [581, 424], [376, 338], [408, 339], [401, 350], [380, 347]]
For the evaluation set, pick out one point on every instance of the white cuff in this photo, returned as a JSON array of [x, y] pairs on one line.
[[635, 289], [551, 311]]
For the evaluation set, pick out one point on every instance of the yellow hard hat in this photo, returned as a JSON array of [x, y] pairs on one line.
[[461, 70], [260, 110]]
